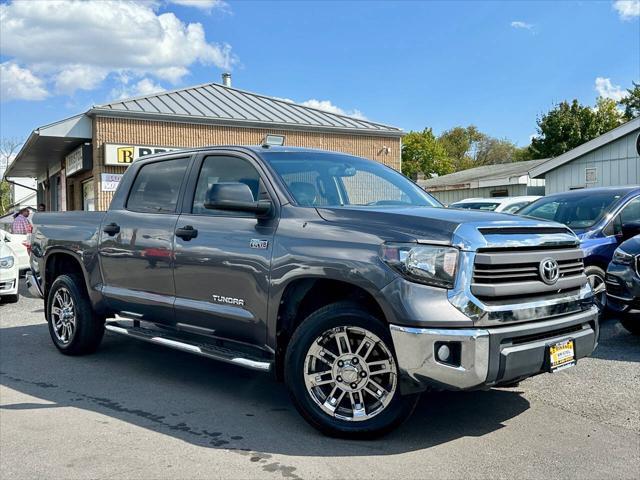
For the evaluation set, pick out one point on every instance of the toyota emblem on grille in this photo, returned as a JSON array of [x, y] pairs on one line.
[[549, 271]]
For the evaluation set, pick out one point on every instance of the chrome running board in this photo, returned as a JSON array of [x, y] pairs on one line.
[[215, 352]]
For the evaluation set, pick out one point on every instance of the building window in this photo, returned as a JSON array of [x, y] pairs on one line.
[[88, 196]]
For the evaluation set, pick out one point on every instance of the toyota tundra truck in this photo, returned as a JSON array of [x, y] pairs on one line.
[[335, 273]]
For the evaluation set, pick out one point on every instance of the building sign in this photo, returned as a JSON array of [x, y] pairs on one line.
[[80, 160], [591, 175], [124, 155], [109, 181]]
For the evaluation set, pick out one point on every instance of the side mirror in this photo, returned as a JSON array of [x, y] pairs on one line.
[[235, 196], [630, 229]]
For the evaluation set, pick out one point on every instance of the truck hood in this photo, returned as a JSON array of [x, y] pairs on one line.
[[439, 225]]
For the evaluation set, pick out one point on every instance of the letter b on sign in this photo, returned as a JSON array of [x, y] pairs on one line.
[[125, 155]]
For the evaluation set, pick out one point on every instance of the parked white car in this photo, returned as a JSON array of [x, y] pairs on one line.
[[499, 204], [9, 274], [17, 244]]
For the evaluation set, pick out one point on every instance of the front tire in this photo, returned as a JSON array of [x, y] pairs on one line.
[[342, 373], [73, 326], [596, 279]]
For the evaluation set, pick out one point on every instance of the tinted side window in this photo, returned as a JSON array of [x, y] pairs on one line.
[[157, 186], [630, 213], [546, 211], [219, 169]]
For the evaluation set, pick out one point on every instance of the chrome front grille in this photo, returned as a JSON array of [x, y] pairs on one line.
[[513, 272], [523, 272]]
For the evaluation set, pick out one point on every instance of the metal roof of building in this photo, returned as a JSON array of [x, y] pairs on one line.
[[487, 173], [215, 103], [585, 148]]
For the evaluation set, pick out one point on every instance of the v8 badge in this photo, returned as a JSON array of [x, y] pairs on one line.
[[260, 244]]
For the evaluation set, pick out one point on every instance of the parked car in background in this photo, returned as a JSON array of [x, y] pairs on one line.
[[18, 244], [601, 217], [503, 204], [9, 274], [623, 282]]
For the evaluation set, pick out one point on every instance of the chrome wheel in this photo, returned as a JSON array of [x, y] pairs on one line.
[[599, 290], [63, 316], [350, 373]]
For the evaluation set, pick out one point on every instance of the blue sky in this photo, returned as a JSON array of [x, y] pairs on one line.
[[496, 65]]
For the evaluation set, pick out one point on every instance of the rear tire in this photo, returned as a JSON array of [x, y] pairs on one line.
[[357, 346], [73, 326]]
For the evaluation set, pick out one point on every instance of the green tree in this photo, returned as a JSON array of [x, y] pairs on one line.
[[522, 154], [568, 125], [460, 144], [631, 103], [491, 151], [422, 153], [5, 196], [607, 115]]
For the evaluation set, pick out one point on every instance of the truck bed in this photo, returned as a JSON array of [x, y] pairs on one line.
[[73, 230]]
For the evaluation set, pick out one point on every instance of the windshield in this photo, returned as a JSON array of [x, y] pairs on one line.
[[576, 210], [334, 180], [476, 205]]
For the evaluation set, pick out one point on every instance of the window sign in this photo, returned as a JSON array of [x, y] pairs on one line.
[[80, 160], [125, 155], [109, 181], [591, 175]]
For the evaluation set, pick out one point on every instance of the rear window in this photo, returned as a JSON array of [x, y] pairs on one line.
[[157, 185]]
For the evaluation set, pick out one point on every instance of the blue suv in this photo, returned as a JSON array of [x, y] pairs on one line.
[[601, 217]]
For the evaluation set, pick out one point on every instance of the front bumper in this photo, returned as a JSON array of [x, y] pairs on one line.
[[487, 356], [623, 285], [9, 286]]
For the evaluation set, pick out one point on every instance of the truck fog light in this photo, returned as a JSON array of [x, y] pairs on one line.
[[444, 352], [449, 353]]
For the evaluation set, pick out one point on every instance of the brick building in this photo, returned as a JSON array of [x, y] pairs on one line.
[[78, 161]]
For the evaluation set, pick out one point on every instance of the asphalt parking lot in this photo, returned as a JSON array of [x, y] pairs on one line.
[[136, 410]]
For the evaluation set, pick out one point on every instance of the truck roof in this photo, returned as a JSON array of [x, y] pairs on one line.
[[259, 149]]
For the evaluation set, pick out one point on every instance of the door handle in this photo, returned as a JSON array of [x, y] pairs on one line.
[[111, 229], [186, 233]]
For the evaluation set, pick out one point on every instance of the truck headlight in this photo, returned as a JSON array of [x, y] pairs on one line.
[[621, 257], [6, 262], [428, 264]]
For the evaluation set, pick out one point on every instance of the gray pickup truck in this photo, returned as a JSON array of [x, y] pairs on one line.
[[335, 273]]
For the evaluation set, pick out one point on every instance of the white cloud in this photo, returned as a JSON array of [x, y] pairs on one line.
[[17, 83], [627, 9], [327, 106], [522, 25], [79, 77], [606, 89], [205, 5], [77, 44], [146, 86]]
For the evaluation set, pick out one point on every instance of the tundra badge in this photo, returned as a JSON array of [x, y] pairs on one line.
[[228, 300]]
